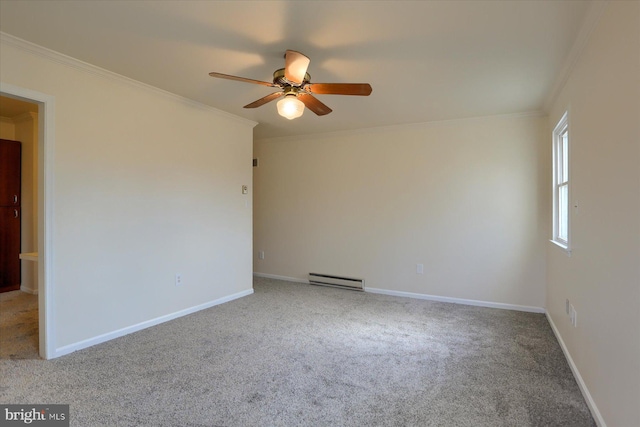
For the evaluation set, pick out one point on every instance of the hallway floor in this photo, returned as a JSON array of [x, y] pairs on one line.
[[18, 325]]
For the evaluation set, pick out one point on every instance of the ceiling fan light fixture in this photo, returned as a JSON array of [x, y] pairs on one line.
[[290, 107], [296, 89]]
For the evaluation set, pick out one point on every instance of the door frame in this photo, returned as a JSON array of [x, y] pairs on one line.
[[46, 142]]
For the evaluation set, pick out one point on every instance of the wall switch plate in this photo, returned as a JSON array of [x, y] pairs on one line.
[[566, 307], [178, 279], [420, 268], [574, 315], [261, 254]]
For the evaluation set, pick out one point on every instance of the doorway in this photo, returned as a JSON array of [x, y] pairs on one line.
[[42, 112], [18, 188]]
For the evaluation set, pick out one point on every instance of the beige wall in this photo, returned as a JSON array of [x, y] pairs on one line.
[[145, 185], [601, 278], [7, 128], [466, 198], [26, 130]]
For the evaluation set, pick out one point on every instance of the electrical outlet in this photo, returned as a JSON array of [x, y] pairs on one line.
[[261, 254], [419, 268], [178, 279]]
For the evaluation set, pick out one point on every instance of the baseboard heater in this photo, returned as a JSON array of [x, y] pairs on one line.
[[336, 281]]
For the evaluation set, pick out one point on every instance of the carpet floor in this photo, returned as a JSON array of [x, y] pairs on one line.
[[18, 325], [301, 355]]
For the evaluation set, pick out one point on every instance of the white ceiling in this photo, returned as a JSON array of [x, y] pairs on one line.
[[426, 60]]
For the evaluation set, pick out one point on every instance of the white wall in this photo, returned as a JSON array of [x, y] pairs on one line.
[[146, 185], [601, 278], [466, 198]]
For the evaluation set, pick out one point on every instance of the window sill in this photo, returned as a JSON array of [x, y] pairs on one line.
[[562, 246]]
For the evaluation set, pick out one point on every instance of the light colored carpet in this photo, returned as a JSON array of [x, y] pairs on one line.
[[18, 325], [300, 355]]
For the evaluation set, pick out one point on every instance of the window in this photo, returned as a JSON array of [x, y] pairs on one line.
[[561, 183]]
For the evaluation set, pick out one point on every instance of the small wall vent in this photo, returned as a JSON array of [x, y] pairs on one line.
[[336, 281]]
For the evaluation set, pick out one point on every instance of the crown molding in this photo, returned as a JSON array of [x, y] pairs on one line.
[[77, 64], [589, 24]]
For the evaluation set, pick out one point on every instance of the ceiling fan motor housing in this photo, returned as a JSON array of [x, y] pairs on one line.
[[280, 80]]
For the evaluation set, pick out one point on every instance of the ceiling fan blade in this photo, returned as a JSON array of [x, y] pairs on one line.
[[312, 103], [295, 66], [264, 100], [242, 79], [360, 89]]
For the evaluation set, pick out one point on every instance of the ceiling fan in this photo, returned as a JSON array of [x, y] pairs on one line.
[[296, 88]]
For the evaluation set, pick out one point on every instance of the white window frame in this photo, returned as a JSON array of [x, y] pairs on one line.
[[561, 184]]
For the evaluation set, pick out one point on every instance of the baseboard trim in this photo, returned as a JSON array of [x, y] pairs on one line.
[[28, 290], [576, 374], [422, 296], [285, 278], [61, 351], [457, 300]]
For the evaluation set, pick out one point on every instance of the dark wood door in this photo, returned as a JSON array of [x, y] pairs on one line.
[[10, 215], [10, 172], [9, 248]]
